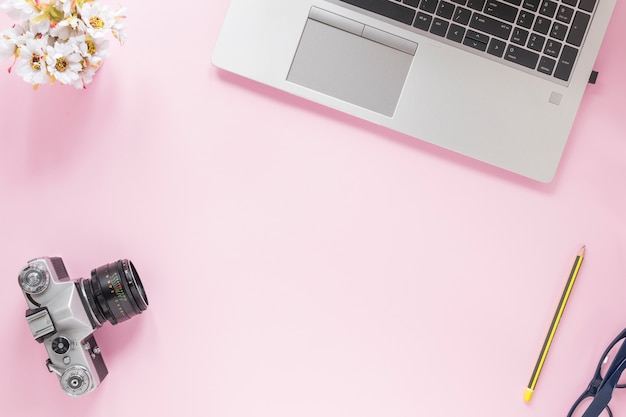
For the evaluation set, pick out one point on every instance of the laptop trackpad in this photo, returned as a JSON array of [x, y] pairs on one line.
[[352, 62]]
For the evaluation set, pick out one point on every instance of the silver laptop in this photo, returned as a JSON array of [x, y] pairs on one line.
[[496, 80]]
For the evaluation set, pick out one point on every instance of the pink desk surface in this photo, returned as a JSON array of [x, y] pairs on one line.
[[297, 261]]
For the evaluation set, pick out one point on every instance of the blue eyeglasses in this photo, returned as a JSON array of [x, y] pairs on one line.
[[594, 401]]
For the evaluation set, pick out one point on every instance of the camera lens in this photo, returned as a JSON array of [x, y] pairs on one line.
[[115, 292]]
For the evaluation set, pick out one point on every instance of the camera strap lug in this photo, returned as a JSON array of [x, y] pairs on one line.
[[52, 368]]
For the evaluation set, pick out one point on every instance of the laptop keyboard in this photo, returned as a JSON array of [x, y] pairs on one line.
[[540, 35]]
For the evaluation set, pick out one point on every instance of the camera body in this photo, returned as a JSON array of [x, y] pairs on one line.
[[63, 315]]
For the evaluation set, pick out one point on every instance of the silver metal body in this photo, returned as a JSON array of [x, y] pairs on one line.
[[60, 319], [500, 114]]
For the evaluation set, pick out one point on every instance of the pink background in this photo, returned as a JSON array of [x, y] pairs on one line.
[[298, 261]]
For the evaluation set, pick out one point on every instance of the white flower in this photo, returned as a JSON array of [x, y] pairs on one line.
[[10, 41], [32, 64], [20, 9], [65, 6], [98, 19], [8, 48], [119, 27], [69, 27], [39, 25], [64, 62], [93, 50], [60, 40], [86, 76]]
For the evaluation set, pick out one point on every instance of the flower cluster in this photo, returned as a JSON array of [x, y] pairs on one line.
[[59, 40]]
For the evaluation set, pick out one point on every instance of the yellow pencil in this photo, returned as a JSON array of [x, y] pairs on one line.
[[555, 322]]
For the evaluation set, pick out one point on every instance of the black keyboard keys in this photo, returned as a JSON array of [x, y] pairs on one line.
[[394, 11], [439, 27], [456, 33], [543, 35], [445, 9], [578, 28], [428, 6], [548, 8], [546, 65], [521, 56], [473, 43], [423, 21], [462, 16], [491, 26], [536, 42], [566, 63], [587, 5], [496, 47], [501, 10]]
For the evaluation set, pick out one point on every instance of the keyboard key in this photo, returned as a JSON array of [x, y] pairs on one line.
[[394, 11], [439, 27], [445, 9], [546, 65], [578, 29], [515, 2], [480, 37], [490, 26], [553, 48], [558, 31], [428, 6], [461, 2], [525, 19], [412, 3], [519, 36], [587, 5], [501, 10], [542, 25], [456, 33], [565, 14], [532, 5], [521, 56], [570, 2], [548, 8], [475, 44], [476, 4], [566, 63], [536, 42], [462, 16], [496, 47], [423, 21]]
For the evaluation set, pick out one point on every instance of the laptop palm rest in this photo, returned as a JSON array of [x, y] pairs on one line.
[[352, 62]]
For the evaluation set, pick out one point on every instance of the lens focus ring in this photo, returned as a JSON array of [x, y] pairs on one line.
[[115, 292]]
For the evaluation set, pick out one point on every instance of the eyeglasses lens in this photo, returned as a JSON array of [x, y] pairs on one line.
[[609, 358]]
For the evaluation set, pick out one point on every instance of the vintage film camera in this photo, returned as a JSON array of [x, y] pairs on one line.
[[63, 314]]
